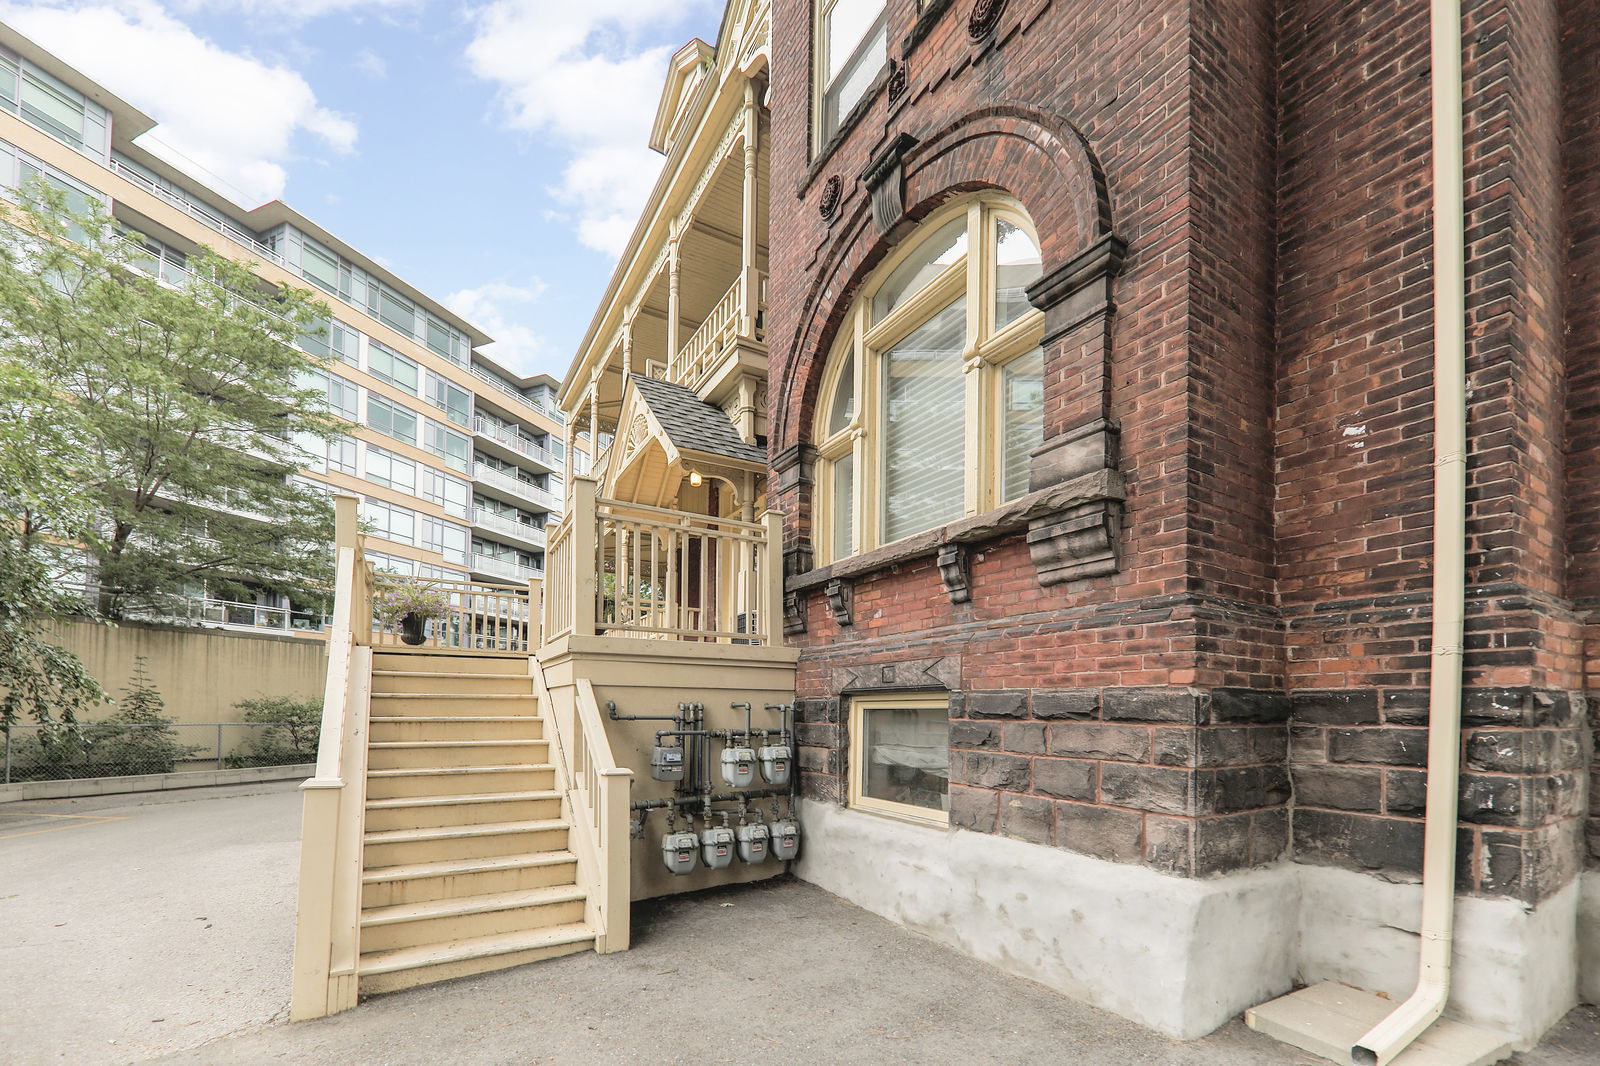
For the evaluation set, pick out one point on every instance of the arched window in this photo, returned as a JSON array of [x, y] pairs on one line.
[[934, 394]]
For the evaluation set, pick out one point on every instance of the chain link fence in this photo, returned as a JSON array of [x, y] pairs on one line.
[[119, 749]]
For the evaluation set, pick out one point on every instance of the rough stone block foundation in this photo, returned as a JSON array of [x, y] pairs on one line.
[[1179, 955]]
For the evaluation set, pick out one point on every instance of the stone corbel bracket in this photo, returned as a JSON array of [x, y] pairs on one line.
[[1079, 541], [955, 572], [884, 178], [840, 595], [1076, 543], [794, 613]]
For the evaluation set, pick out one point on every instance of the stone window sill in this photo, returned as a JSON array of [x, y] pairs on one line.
[[1012, 517]]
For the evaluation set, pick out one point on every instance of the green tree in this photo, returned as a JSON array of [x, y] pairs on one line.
[[136, 738], [289, 734], [198, 403], [45, 504]]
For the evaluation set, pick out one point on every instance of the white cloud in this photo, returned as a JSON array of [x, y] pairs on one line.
[[371, 64], [500, 309], [297, 10], [223, 115], [583, 73]]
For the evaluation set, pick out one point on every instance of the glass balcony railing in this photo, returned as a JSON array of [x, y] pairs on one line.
[[488, 564], [509, 527], [516, 441], [516, 486]]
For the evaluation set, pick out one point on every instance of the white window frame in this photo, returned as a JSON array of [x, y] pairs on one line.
[[859, 706], [986, 353], [825, 125]]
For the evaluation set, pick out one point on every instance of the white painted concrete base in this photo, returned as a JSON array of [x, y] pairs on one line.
[[1589, 937], [1178, 955], [1183, 956], [1515, 970]]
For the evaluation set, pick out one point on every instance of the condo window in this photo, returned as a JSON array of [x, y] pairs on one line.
[[454, 448], [391, 419], [852, 46], [453, 400], [390, 470], [388, 365], [933, 398], [900, 755], [390, 522], [453, 494]]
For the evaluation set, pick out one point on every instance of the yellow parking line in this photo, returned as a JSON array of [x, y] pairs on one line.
[[59, 828]]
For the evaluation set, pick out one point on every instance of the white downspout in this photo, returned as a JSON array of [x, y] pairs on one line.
[[1392, 1035]]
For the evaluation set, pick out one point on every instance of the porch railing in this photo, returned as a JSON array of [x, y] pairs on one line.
[[482, 617], [326, 942], [597, 794], [738, 309], [625, 570]]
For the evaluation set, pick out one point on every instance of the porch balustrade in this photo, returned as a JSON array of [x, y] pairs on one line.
[[625, 570], [742, 303]]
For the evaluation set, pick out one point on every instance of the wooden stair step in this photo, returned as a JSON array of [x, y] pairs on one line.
[[467, 905], [416, 871], [449, 674], [498, 768], [381, 962], [460, 832], [511, 697], [463, 798], [451, 719], [397, 744]]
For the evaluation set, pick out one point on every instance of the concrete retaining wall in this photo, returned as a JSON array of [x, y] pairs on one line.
[[111, 786], [201, 673]]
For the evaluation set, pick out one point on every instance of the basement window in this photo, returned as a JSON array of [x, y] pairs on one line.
[[900, 755]]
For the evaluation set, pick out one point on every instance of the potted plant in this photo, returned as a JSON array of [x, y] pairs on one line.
[[410, 606]]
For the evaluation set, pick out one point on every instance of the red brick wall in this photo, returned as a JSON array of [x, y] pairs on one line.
[[1580, 74], [1354, 439], [1271, 361]]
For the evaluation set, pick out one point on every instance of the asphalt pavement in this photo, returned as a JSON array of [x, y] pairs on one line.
[[158, 929]]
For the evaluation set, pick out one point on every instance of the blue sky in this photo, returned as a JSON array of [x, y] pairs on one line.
[[521, 123]]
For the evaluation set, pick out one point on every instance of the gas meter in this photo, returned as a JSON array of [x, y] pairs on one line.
[[677, 851], [666, 762], [716, 847], [753, 842], [775, 761], [785, 839], [738, 766]]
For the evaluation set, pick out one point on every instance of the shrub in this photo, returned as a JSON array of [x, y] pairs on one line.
[[289, 733], [138, 737]]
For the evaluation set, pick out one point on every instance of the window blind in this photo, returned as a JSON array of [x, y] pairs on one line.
[[924, 426]]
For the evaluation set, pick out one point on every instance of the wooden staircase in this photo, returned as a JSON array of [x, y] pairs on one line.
[[465, 859]]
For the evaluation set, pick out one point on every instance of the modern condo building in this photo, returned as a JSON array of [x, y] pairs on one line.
[[458, 461]]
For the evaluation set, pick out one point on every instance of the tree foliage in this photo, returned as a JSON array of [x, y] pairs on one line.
[[137, 738], [289, 735], [187, 402]]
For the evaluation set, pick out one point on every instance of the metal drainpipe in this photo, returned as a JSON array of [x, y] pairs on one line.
[[1392, 1035]]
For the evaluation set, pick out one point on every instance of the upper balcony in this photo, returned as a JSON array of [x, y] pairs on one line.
[[687, 304], [713, 347], [515, 447], [508, 487]]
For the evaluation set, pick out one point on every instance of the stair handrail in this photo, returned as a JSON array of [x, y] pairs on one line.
[[595, 799], [327, 925]]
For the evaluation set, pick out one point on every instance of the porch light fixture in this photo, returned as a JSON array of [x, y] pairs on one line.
[[695, 479]]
